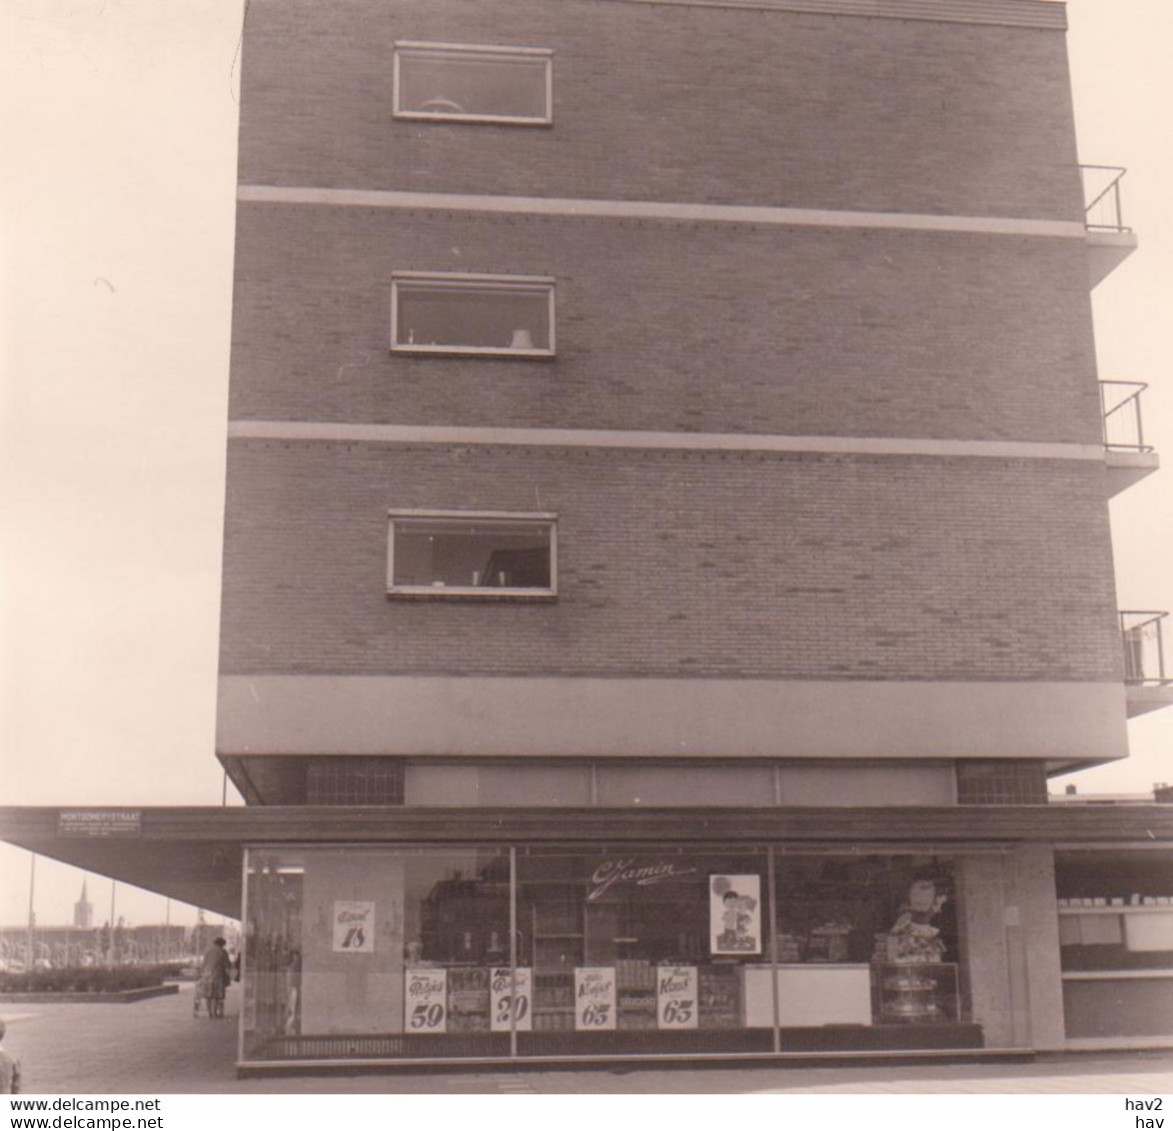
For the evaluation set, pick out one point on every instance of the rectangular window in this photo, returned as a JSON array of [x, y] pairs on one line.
[[348, 780], [460, 554], [376, 953], [493, 315], [457, 83], [637, 950], [395, 952]]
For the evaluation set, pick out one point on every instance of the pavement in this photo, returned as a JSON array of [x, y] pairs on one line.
[[156, 1047]]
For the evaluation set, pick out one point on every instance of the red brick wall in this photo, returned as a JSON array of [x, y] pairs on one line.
[[674, 564], [666, 326], [673, 102]]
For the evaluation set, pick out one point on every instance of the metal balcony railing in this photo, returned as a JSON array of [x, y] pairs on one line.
[[1144, 647], [1101, 196], [1123, 426]]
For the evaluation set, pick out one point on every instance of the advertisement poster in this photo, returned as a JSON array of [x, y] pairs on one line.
[[468, 999], [425, 1000], [594, 998], [354, 927], [735, 914], [512, 1000], [676, 997]]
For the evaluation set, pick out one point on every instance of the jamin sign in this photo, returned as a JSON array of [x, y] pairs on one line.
[[354, 927]]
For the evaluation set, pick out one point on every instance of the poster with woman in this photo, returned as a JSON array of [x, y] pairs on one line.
[[735, 914]]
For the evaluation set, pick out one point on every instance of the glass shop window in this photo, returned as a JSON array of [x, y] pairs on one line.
[[455, 83], [633, 950], [470, 555], [867, 940], [494, 315], [1115, 911], [380, 953]]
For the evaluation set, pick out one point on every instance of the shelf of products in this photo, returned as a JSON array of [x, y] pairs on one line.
[[1118, 909], [1115, 919], [1113, 975], [1137, 928]]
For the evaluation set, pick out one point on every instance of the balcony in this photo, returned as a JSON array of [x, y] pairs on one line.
[[1109, 240], [1129, 458], [1147, 685]]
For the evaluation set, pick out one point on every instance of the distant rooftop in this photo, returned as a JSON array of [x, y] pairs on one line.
[[1161, 793]]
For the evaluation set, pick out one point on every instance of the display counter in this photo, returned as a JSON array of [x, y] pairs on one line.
[[809, 994]]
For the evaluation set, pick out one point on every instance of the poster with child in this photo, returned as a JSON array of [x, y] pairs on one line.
[[735, 914]]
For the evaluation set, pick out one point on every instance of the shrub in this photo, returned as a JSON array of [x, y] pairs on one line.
[[83, 979]]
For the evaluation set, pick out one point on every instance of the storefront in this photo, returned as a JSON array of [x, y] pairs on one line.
[[530, 951], [377, 935]]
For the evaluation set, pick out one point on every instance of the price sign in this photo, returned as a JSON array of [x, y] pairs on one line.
[[425, 1000], [511, 999], [595, 1006], [676, 997], [354, 927]]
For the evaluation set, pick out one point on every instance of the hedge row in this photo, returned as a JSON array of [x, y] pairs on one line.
[[86, 979]]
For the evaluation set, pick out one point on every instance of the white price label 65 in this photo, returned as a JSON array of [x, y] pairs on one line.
[[676, 997], [596, 1015], [595, 1005]]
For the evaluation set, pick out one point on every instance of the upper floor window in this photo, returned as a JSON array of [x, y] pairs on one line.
[[471, 554], [457, 83], [495, 315]]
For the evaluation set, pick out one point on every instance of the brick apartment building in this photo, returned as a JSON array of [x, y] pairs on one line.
[[667, 544]]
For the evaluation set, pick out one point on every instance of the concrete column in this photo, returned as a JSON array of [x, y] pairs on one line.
[[984, 958], [1039, 917]]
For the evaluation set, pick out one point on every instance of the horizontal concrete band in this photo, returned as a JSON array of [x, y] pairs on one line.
[[659, 210], [1006, 13], [679, 441], [596, 717]]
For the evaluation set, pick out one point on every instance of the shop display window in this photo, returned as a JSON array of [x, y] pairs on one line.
[[860, 909], [380, 953], [375, 953], [1115, 911], [641, 950], [867, 940]]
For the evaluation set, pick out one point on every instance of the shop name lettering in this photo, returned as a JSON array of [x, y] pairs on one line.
[[612, 872]]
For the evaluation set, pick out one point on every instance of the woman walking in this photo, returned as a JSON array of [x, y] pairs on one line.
[[215, 974]]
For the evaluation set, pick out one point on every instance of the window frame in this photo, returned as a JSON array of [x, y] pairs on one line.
[[463, 518], [473, 283], [480, 51]]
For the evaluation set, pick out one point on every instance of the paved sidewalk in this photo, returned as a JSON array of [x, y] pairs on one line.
[[156, 1047]]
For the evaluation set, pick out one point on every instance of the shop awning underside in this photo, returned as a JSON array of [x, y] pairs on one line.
[[195, 854]]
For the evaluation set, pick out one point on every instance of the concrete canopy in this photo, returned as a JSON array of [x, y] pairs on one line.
[[196, 854]]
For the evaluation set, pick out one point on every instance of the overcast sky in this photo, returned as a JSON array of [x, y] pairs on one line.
[[116, 206]]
